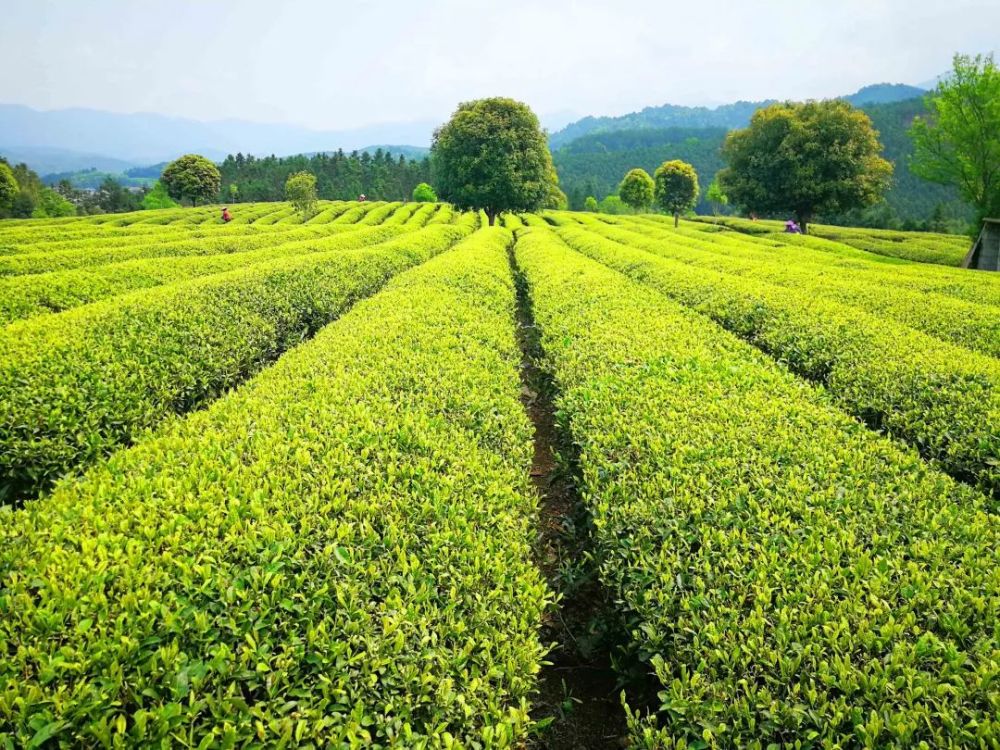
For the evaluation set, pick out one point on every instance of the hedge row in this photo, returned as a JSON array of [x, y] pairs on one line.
[[421, 216], [338, 554], [942, 399], [973, 326], [792, 579], [29, 296], [922, 247], [444, 214], [74, 386], [152, 247]]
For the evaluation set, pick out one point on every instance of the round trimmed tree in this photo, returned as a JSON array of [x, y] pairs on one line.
[[676, 188], [807, 159], [492, 156], [192, 178], [636, 189], [424, 193]]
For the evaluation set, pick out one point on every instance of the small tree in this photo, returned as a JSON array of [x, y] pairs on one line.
[[959, 142], [636, 189], [157, 198], [590, 204], [424, 193], [492, 156], [612, 204], [676, 188], [716, 196], [191, 177], [300, 190], [52, 204], [8, 187], [817, 157]]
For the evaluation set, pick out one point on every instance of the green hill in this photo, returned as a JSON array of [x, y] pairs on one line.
[[593, 164]]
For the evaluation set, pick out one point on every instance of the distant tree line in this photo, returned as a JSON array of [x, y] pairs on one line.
[[23, 195], [339, 176], [593, 165]]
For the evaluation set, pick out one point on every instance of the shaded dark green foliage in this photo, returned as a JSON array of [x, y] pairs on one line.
[[339, 176], [594, 165]]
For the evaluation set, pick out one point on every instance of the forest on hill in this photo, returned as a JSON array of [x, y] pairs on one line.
[[593, 164]]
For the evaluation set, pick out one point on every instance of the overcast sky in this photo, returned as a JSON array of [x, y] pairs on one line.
[[330, 64]]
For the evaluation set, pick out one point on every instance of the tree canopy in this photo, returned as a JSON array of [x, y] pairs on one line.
[[676, 188], [191, 177], [380, 175], [958, 142], [636, 189], [493, 156], [8, 187], [717, 196], [817, 157], [424, 193], [300, 190], [158, 198]]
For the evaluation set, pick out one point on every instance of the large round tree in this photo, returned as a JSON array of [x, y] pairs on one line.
[[191, 177], [492, 156], [675, 188], [636, 189], [806, 159]]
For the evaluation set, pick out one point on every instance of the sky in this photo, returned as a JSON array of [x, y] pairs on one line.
[[330, 64]]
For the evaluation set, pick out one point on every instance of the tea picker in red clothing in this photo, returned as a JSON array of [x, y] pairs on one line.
[[226, 216]]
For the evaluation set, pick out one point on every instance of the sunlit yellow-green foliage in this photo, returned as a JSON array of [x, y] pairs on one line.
[[788, 575], [924, 247], [339, 552], [266, 483]]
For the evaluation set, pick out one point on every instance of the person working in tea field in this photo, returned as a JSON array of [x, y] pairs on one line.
[[791, 227], [226, 216]]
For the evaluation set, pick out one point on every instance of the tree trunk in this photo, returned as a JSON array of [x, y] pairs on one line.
[[492, 216], [804, 220], [677, 220]]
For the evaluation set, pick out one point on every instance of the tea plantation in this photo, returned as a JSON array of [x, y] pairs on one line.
[[268, 483]]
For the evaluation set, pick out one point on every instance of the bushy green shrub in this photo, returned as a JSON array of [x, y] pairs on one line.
[[424, 193]]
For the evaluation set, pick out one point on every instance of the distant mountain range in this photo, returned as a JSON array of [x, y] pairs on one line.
[[595, 163], [69, 139], [72, 140], [728, 116]]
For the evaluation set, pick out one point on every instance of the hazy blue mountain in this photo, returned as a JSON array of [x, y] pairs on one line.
[[728, 116], [71, 140], [141, 139], [46, 159], [884, 93]]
